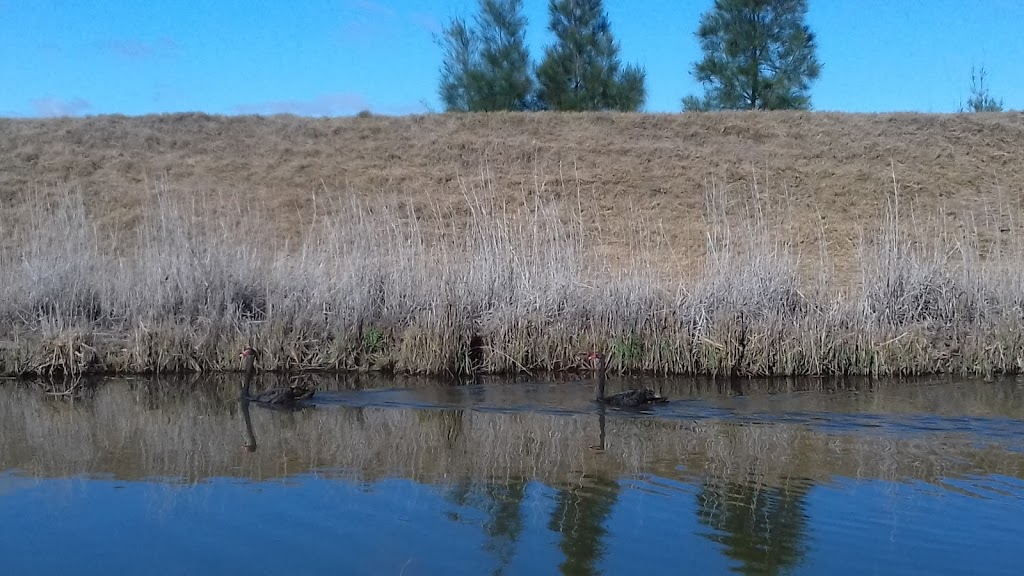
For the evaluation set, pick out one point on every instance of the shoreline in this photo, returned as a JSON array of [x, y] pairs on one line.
[[769, 352]]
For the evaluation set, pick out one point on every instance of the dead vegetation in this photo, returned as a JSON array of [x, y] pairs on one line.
[[638, 176], [742, 244]]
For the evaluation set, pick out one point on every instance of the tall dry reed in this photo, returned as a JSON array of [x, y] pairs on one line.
[[524, 288]]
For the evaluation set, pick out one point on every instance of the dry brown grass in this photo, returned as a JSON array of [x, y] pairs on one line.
[[505, 242], [827, 174]]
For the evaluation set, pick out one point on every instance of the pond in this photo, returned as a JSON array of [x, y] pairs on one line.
[[413, 476]]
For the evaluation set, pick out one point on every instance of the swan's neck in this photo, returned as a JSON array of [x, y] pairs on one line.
[[600, 378]]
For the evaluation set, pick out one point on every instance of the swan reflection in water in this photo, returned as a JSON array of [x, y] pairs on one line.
[[250, 436], [601, 424]]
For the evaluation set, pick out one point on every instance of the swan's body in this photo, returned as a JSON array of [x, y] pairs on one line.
[[635, 398], [289, 395], [283, 397]]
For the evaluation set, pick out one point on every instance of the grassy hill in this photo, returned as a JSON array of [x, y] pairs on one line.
[[818, 173], [651, 206]]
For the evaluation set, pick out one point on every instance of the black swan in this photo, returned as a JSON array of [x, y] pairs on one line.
[[628, 399], [282, 397]]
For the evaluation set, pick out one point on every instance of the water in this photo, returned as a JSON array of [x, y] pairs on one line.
[[411, 476]]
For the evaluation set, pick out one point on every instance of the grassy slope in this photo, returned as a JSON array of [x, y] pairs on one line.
[[144, 266], [824, 173]]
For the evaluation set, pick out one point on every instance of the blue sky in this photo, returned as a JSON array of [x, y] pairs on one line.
[[337, 57]]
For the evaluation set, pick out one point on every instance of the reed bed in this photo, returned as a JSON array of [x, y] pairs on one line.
[[523, 288]]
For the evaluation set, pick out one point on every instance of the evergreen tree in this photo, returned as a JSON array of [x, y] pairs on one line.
[[581, 70], [487, 68], [505, 80], [981, 99], [758, 54], [459, 72]]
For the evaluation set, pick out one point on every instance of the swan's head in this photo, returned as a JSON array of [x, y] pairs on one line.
[[595, 359], [248, 357]]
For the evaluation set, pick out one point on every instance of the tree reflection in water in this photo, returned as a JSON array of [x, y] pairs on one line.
[[502, 504], [762, 528], [581, 512]]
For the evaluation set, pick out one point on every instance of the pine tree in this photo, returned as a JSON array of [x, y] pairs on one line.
[[981, 99], [505, 80], [758, 54], [581, 70], [460, 68], [487, 67]]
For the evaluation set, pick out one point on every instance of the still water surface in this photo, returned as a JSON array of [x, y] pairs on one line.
[[410, 477]]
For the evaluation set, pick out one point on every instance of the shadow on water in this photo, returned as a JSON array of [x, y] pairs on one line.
[[543, 477]]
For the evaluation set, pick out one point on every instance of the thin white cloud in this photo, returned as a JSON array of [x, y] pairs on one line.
[[135, 49], [48, 106], [162, 92], [361, 32], [50, 48], [337, 104], [369, 27], [427, 21], [372, 7], [369, 22], [421, 107]]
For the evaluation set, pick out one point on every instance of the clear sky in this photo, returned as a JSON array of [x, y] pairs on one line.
[[337, 57]]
